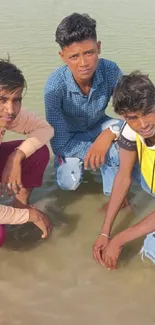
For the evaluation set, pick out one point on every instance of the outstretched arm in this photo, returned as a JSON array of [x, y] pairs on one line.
[[120, 189]]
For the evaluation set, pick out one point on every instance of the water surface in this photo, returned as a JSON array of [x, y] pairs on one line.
[[56, 281]]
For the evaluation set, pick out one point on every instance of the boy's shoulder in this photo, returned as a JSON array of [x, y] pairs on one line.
[[127, 132], [127, 138], [106, 64], [57, 78]]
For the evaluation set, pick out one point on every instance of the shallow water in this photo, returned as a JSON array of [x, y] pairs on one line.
[[56, 281]]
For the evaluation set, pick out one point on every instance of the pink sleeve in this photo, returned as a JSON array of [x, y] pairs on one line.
[[37, 130], [12, 216]]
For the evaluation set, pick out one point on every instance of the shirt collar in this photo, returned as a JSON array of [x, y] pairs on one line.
[[98, 76], [71, 84]]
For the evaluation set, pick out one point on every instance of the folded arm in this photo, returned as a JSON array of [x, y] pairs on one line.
[[37, 130]]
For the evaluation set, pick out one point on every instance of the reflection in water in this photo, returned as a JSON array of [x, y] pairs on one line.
[[56, 281]]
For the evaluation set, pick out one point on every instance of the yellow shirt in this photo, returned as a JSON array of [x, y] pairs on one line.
[[147, 163]]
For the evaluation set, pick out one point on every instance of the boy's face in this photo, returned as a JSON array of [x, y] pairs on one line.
[[81, 58], [142, 124], [10, 105]]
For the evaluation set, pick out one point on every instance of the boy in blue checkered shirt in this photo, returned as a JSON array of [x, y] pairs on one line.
[[76, 96]]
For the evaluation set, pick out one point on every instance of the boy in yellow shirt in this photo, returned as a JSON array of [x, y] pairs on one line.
[[134, 100]]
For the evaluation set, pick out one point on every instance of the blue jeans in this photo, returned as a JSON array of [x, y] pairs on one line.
[[148, 248], [145, 186], [70, 174]]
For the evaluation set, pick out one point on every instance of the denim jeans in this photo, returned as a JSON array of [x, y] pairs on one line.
[[148, 248], [145, 186], [69, 174]]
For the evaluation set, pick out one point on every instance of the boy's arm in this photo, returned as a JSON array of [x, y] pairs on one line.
[[112, 251], [37, 130], [120, 189], [141, 228], [121, 186]]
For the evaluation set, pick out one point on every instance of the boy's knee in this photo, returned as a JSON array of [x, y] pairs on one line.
[[42, 154], [69, 174], [110, 122]]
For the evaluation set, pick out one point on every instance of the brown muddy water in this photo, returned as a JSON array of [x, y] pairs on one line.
[[56, 281]]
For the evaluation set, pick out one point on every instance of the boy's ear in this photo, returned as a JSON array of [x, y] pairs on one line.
[[99, 47], [61, 53]]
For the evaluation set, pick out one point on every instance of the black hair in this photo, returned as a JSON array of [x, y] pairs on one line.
[[75, 28], [11, 77], [134, 92]]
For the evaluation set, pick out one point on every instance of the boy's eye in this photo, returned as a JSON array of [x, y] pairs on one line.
[[74, 57], [89, 52], [3, 100], [18, 100], [132, 118]]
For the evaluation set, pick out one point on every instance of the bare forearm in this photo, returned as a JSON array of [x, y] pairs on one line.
[[142, 228], [10, 215], [17, 156], [119, 192]]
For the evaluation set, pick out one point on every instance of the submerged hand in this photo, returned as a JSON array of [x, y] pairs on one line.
[[100, 244], [41, 221], [111, 253]]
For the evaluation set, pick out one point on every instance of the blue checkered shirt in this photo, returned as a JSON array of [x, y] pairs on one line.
[[69, 111]]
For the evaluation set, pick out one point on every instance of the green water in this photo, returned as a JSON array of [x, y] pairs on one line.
[[57, 282]]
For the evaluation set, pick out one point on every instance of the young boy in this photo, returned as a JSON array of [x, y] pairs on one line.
[[134, 99], [22, 162], [76, 96]]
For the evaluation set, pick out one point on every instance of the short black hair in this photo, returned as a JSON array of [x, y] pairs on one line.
[[134, 92], [11, 77], [75, 28]]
